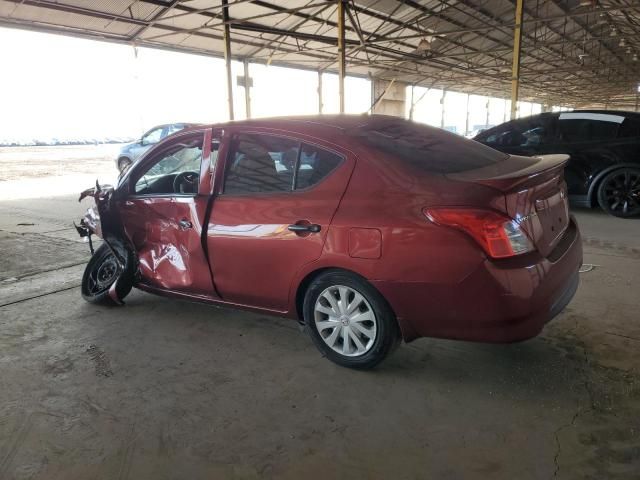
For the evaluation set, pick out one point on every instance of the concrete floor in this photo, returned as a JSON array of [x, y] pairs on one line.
[[165, 389]]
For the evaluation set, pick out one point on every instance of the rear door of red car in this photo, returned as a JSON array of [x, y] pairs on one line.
[[164, 221], [277, 196]]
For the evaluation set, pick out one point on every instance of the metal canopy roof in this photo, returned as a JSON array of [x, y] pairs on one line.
[[578, 52]]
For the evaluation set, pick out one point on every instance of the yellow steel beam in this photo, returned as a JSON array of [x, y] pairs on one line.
[[515, 67]]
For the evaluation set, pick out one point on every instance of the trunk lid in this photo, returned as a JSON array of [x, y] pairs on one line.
[[535, 194]]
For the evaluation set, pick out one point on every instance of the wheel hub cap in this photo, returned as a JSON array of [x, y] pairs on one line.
[[345, 321]]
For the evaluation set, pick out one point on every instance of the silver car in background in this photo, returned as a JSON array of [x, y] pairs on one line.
[[131, 152]]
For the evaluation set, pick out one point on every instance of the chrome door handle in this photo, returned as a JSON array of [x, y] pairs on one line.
[[312, 228], [184, 224]]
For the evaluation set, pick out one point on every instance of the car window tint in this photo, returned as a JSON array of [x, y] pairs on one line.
[[629, 128], [530, 132], [260, 163], [183, 157], [426, 148], [587, 126], [585, 130], [315, 164]]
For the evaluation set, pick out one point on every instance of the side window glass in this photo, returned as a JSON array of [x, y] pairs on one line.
[[173, 129], [509, 136], [177, 170], [629, 128], [215, 147], [588, 127], [260, 163], [154, 136], [315, 164]]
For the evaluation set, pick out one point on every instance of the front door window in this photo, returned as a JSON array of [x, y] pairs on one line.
[[176, 171]]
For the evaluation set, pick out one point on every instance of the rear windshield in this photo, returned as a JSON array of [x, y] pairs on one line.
[[427, 149]]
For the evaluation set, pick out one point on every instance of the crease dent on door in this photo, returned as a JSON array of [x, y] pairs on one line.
[[164, 253]]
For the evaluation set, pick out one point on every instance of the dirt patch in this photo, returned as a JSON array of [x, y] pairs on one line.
[[100, 360]]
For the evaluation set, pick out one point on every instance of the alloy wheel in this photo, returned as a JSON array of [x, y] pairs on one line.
[[622, 192]]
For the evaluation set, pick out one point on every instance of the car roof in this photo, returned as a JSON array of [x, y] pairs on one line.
[[623, 113], [330, 123]]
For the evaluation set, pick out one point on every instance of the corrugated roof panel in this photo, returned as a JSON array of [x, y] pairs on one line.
[[568, 50]]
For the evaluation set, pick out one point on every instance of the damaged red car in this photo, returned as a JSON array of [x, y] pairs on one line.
[[368, 230]]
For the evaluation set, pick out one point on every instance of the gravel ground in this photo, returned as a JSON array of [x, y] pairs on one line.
[[55, 161]]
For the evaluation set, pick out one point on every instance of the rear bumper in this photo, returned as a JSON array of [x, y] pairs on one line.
[[501, 301]]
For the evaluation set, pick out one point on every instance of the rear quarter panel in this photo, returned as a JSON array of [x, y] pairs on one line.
[[383, 196]]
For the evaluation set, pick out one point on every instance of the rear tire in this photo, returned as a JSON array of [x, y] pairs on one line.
[[102, 271], [349, 321], [619, 193]]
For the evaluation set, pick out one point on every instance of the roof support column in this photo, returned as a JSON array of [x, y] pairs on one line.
[[320, 103], [515, 67], [486, 123], [466, 117], [227, 55], [413, 87], [444, 95], [248, 83], [341, 52]]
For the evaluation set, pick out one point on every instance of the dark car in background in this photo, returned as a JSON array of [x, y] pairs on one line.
[[604, 146], [131, 152]]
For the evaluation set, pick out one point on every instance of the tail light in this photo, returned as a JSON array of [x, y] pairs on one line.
[[499, 235]]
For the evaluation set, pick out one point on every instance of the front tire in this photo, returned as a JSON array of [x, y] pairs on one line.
[[349, 321], [102, 272], [619, 193]]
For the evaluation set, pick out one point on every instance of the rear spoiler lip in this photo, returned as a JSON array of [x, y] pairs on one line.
[[492, 177]]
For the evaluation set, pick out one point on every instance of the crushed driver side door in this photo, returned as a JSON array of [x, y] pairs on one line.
[[164, 212]]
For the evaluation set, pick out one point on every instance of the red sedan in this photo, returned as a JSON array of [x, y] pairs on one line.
[[367, 229]]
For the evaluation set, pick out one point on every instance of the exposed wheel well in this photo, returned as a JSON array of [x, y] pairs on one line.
[[304, 284]]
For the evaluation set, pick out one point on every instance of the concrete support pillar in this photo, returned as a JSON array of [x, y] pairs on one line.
[[390, 97], [515, 67]]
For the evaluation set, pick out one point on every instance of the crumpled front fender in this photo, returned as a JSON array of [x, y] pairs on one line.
[[99, 220]]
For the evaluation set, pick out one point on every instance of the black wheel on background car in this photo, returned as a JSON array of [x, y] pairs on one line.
[[619, 192], [349, 321], [102, 271], [123, 163]]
